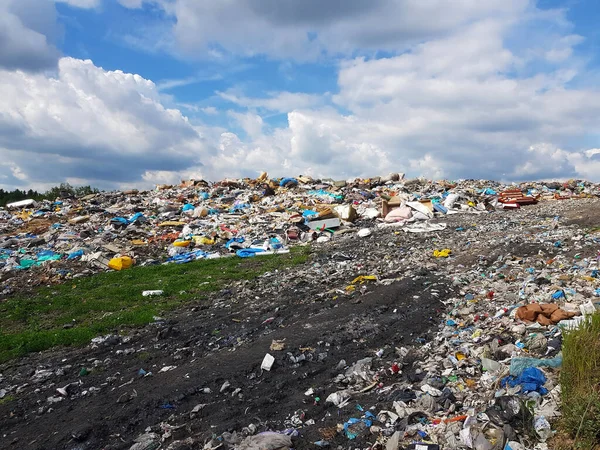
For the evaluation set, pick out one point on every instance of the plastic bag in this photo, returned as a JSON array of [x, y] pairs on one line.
[[248, 252], [518, 365], [75, 254], [531, 379], [266, 441]]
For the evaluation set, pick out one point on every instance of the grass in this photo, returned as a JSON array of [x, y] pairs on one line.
[[580, 384], [108, 301], [6, 399]]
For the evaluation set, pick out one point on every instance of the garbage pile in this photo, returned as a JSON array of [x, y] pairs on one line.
[[486, 380], [431, 317], [197, 219]]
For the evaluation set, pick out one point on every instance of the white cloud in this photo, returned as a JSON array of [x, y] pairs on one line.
[[591, 152], [452, 99], [210, 110], [84, 4], [165, 85], [307, 29], [88, 123], [131, 3], [28, 30], [563, 48], [251, 123], [556, 163], [451, 107], [237, 158], [282, 102]]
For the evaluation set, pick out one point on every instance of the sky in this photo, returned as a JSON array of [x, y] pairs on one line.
[[130, 93]]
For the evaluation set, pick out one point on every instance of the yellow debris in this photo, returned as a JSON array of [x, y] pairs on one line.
[[171, 223], [364, 278], [203, 240], [442, 253], [120, 263]]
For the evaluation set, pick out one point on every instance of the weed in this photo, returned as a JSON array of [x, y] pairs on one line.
[[6, 399], [580, 384]]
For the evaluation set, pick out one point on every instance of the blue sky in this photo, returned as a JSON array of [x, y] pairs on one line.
[[120, 93]]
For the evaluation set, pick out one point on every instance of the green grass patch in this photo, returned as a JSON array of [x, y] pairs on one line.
[[6, 399], [580, 383], [108, 301]]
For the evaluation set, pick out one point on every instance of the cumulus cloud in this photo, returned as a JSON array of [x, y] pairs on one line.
[[451, 107], [251, 123], [108, 127], [310, 28], [28, 31], [452, 98], [545, 160], [464, 107]]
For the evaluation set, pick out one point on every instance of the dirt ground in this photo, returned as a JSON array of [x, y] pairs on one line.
[[398, 313], [217, 351]]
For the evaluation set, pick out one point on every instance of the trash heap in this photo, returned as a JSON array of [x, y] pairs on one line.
[[493, 285], [197, 219], [487, 379]]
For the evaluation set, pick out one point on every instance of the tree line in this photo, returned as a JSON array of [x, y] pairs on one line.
[[64, 190]]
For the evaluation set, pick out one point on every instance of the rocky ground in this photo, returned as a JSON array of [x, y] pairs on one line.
[[194, 379]]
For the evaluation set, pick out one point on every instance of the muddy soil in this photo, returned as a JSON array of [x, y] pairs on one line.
[[401, 313]]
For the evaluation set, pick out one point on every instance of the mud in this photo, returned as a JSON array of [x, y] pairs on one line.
[[399, 313]]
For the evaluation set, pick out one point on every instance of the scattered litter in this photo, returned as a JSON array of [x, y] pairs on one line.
[[277, 345], [267, 362], [155, 293], [465, 354]]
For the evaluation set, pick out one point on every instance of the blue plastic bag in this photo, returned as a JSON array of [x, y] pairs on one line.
[[531, 379], [248, 252], [187, 257], [137, 216], [307, 213], [237, 240], [239, 207], [119, 221], [353, 433], [76, 254], [275, 243], [288, 181]]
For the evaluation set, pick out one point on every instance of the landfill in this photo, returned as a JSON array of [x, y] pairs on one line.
[[429, 315]]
